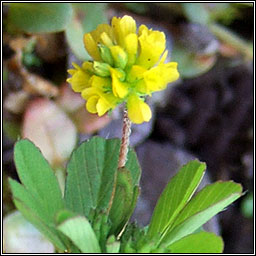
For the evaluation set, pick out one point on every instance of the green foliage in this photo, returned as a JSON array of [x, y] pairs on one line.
[[100, 198], [86, 17], [40, 197], [91, 175], [199, 211], [124, 200], [113, 246], [175, 196], [79, 230], [40, 17], [202, 242], [37, 177]]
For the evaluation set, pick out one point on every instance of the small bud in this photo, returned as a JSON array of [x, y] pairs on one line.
[[119, 55], [101, 69], [105, 54]]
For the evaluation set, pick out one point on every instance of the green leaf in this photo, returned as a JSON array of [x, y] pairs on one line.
[[133, 166], [123, 201], [38, 177], [112, 245], [80, 232], [90, 177], [21, 194], [33, 211], [202, 242], [63, 215], [207, 203], [86, 17], [40, 17], [175, 196], [101, 226], [207, 197]]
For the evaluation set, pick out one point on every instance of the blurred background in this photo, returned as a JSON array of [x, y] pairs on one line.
[[207, 114]]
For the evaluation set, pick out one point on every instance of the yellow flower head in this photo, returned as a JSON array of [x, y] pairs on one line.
[[127, 66]]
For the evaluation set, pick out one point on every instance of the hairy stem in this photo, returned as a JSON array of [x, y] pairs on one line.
[[123, 152], [125, 140]]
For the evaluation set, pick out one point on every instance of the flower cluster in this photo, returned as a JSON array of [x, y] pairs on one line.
[[127, 66]]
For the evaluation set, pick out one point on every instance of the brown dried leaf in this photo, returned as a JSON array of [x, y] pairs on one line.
[[32, 83], [37, 85]]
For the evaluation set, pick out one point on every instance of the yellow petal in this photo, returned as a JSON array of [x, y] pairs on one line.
[[102, 106], [136, 73], [123, 27], [106, 40], [131, 43], [141, 87], [143, 29], [79, 80], [120, 89], [131, 47], [173, 73], [157, 78], [91, 104], [91, 46], [102, 83], [75, 65], [170, 72], [152, 45], [138, 110], [102, 28], [72, 71], [91, 40], [88, 66]]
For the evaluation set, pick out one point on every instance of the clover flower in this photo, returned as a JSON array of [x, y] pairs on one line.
[[127, 66]]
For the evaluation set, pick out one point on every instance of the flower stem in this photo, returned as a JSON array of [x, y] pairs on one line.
[[123, 152], [125, 140]]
